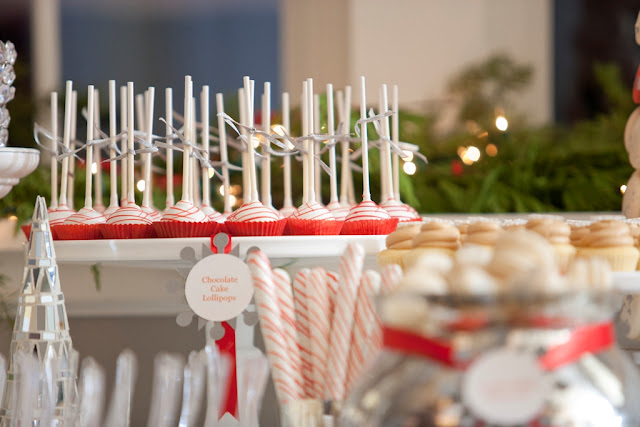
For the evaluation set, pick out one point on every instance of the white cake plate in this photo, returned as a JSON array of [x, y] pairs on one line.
[[16, 163]]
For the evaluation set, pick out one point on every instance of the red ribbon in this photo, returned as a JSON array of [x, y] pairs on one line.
[[636, 87], [227, 345], [586, 339]]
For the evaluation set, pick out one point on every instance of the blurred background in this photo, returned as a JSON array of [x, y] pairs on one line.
[[519, 106]]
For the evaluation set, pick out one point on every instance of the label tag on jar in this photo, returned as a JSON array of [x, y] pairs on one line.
[[505, 387], [219, 287]]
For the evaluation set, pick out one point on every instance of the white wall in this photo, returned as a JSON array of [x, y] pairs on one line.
[[417, 44]]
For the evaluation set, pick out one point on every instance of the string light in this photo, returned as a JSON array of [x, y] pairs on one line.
[[278, 129], [210, 172], [623, 188], [473, 153], [221, 190], [409, 168], [94, 168], [232, 200], [13, 218], [407, 156], [491, 150], [501, 123], [141, 185], [256, 141]]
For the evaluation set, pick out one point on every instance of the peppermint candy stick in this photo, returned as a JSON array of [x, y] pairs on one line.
[[342, 323], [390, 277], [276, 347], [365, 326], [284, 295], [332, 283], [302, 322], [318, 300]]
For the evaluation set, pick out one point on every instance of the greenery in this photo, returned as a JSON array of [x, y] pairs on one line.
[[544, 168]]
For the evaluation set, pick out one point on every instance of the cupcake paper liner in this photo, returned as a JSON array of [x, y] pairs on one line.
[[310, 227], [391, 256], [176, 229], [127, 231], [257, 228], [77, 232], [369, 227], [620, 258]]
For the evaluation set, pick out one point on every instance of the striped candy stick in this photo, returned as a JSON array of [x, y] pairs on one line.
[[318, 300], [342, 322], [282, 371], [284, 295], [332, 283], [364, 327], [302, 322], [390, 277]]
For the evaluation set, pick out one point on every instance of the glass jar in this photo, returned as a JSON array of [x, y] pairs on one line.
[[511, 360]]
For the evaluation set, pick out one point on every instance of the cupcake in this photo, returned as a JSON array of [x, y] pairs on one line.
[[255, 219], [514, 224], [611, 240], [313, 219], [184, 219], [557, 232], [82, 225], [579, 231], [484, 234], [367, 218], [128, 222], [435, 236], [398, 243]]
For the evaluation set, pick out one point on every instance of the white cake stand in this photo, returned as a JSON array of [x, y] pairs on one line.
[[15, 164]]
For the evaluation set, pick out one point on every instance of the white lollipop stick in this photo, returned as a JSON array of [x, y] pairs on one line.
[[341, 326], [366, 192], [266, 160], [350, 186], [140, 110], [54, 146], [113, 170], [332, 150], [72, 161], [131, 197], [224, 156], [149, 104], [88, 202], [168, 96], [246, 174], [305, 144], [384, 191], [311, 160], [286, 123], [124, 173], [388, 176], [395, 136], [186, 176], [204, 111], [317, 169], [68, 98], [248, 93], [194, 168], [98, 155]]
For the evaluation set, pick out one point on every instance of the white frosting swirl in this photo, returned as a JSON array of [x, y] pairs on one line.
[[253, 212], [85, 216], [313, 211], [130, 214], [399, 210], [58, 215], [184, 211], [367, 210], [338, 211]]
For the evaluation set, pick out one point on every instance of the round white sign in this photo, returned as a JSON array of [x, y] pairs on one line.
[[505, 387], [219, 287]]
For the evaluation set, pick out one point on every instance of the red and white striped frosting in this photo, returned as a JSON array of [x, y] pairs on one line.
[[184, 211], [58, 215], [153, 214], [85, 216], [131, 214], [252, 212], [99, 207], [367, 210], [287, 211], [213, 215], [339, 211], [399, 210], [110, 211], [313, 211]]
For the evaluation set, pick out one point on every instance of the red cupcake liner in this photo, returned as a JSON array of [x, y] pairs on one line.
[[257, 228], [177, 229], [310, 227], [26, 230], [77, 232], [369, 227], [127, 231]]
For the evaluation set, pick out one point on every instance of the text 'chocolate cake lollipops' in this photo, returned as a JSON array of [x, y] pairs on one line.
[[83, 225], [367, 217], [253, 218], [311, 218]]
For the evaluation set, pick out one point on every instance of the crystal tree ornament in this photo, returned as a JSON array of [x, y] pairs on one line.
[[41, 329], [8, 56]]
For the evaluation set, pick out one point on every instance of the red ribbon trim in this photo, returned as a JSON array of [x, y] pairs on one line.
[[585, 339]]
